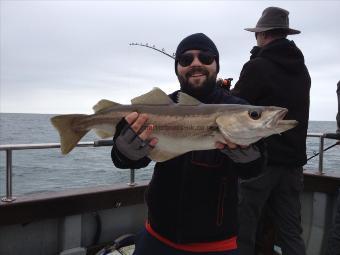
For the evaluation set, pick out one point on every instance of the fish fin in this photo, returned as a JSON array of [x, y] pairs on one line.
[[156, 96], [68, 136], [103, 134], [185, 99], [160, 156], [103, 104]]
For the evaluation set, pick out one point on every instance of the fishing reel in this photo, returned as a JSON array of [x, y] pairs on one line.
[[224, 83]]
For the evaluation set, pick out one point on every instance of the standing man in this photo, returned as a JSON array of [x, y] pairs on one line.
[[191, 199], [276, 75]]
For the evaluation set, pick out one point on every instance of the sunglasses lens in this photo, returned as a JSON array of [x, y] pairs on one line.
[[206, 58], [185, 59]]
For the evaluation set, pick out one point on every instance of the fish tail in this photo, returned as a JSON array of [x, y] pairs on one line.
[[69, 137]]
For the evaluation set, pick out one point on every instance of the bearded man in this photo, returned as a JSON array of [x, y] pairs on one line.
[[191, 199]]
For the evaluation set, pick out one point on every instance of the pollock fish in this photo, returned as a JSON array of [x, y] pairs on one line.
[[181, 127]]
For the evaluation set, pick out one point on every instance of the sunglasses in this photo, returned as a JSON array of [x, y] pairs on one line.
[[205, 57]]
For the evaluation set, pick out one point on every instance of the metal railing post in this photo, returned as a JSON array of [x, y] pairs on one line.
[[9, 197], [321, 145], [132, 178]]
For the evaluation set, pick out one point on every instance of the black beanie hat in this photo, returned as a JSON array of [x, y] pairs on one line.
[[197, 41]]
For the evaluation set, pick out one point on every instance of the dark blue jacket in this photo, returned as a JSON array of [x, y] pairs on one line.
[[193, 197]]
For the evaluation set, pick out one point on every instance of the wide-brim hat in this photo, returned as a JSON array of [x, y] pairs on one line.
[[274, 18]]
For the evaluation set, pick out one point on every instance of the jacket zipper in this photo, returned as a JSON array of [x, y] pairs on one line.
[[220, 203]]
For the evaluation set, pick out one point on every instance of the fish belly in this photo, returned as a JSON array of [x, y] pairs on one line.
[[170, 147]]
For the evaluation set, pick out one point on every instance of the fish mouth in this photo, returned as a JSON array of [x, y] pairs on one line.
[[283, 125], [282, 113], [277, 118], [280, 125]]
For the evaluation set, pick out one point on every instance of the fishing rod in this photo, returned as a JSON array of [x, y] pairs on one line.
[[224, 83], [153, 47], [329, 147]]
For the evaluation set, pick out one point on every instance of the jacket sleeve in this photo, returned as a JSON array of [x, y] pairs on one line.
[[250, 85], [252, 168], [118, 159]]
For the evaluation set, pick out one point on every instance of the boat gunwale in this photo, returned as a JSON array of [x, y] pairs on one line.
[[33, 207]]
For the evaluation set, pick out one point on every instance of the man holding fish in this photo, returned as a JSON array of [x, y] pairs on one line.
[[200, 137], [201, 140], [192, 198]]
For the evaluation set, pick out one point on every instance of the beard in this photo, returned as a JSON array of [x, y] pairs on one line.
[[197, 90]]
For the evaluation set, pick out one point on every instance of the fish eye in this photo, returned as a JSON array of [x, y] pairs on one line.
[[254, 114]]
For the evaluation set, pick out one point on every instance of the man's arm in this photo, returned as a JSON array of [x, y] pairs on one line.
[[255, 167], [249, 161], [250, 84]]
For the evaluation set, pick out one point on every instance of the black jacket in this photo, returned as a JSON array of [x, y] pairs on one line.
[[193, 197], [276, 75]]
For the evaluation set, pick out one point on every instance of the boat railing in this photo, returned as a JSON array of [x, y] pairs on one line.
[[9, 148], [322, 137]]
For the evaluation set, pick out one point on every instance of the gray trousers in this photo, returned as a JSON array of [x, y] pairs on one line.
[[333, 247], [279, 188]]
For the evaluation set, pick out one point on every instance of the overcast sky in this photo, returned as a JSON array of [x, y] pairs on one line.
[[64, 56]]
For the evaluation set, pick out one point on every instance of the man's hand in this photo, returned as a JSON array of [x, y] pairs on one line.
[[136, 122], [239, 153], [133, 141], [229, 145]]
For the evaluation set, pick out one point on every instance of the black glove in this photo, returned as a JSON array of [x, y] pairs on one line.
[[128, 142], [240, 155]]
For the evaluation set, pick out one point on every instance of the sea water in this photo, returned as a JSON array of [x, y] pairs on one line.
[[48, 170]]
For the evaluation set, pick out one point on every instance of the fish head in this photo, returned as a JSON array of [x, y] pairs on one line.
[[248, 124]]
